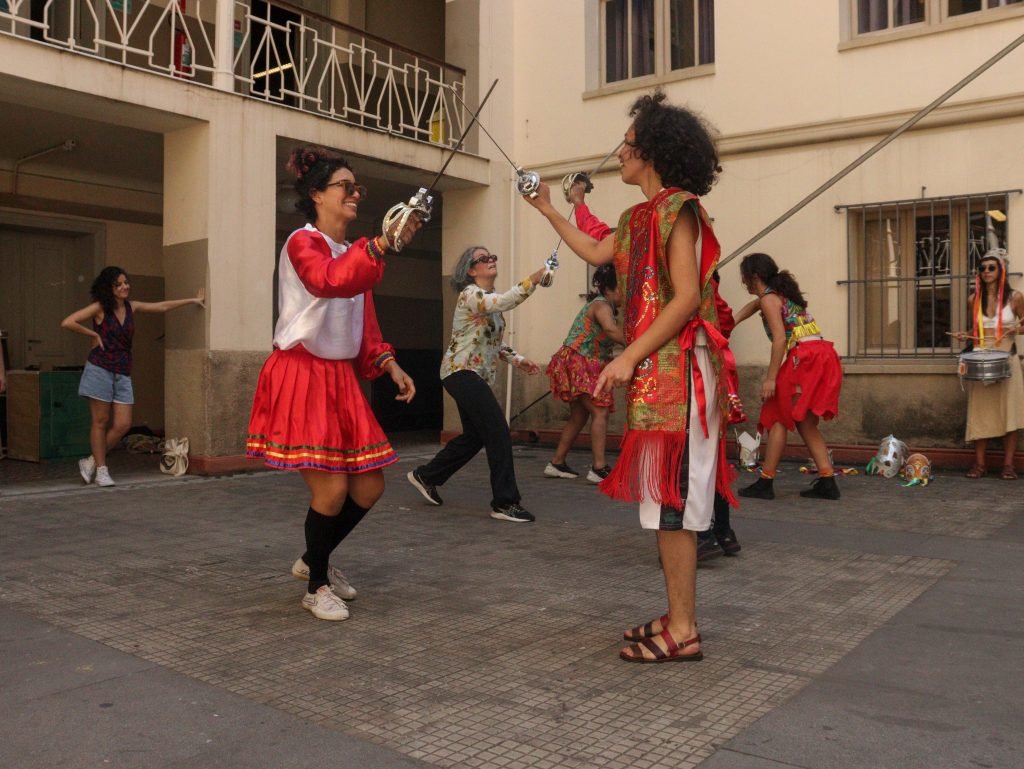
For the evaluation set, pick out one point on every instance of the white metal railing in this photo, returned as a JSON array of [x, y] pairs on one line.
[[276, 52]]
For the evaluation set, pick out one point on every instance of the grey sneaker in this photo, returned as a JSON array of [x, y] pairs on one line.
[[103, 477], [560, 471], [598, 474], [428, 491], [87, 468], [513, 512], [341, 585], [325, 604]]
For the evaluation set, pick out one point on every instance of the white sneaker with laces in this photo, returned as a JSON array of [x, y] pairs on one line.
[[340, 583], [103, 477], [560, 471], [325, 604], [87, 468]]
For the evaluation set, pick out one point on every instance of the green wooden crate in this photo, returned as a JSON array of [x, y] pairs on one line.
[[64, 418]]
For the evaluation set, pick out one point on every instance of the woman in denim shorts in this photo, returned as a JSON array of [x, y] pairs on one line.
[[107, 378]]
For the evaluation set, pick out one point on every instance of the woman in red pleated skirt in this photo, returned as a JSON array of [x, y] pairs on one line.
[[803, 380], [308, 413]]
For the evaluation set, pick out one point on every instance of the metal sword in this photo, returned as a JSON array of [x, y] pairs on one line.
[[422, 202]]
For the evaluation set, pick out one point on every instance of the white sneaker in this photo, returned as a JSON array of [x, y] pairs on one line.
[[325, 604], [87, 468], [341, 585], [103, 477], [560, 471]]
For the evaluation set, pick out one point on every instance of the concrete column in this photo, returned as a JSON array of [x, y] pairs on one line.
[[186, 266], [219, 214], [224, 46]]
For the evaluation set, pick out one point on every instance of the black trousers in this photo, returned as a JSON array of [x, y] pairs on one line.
[[483, 427]]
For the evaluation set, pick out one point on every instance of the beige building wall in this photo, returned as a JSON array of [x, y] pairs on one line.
[[793, 98], [790, 114]]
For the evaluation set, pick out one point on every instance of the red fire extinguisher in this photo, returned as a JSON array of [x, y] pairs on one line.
[[182, 48]]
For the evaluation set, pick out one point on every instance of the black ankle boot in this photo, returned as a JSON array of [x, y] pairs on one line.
[[759, 489], [822, 488], [728, 542]]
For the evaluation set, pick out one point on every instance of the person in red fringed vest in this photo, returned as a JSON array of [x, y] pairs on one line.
[[720, 539], [665, 253]]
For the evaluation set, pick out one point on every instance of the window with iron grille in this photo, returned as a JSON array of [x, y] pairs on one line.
[[654, 37], [911, 267]]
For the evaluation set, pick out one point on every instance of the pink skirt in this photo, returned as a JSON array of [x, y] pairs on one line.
[[808, 383], [572, 376], [309, 414]]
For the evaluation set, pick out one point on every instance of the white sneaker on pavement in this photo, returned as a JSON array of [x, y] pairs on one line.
[[340, 583], [325, 604], [87, 468], [103, 477]]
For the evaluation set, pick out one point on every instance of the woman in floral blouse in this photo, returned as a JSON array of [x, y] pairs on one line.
[[467, 371]]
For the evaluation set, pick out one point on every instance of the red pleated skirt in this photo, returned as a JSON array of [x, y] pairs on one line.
[[572, 375], [808, 383], [309, 413]]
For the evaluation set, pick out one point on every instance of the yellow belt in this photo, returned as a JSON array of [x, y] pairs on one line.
[[803, 330]]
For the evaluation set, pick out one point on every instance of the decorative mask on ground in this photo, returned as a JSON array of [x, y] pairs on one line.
[[918, 470], [892, 453]]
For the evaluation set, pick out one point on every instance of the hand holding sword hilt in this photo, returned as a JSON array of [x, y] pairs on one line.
[[397, 217], [576, 177], [551, 264], [527, 182]]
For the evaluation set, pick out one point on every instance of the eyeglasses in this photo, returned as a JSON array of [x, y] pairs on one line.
[[989, 268], [486, 259], [349, 188]]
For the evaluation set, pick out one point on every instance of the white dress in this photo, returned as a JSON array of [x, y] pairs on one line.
[[995, 409]]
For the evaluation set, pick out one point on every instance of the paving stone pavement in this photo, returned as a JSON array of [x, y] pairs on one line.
[[477, 643]]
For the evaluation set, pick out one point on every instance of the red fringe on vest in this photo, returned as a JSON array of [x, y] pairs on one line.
[[653, 461]]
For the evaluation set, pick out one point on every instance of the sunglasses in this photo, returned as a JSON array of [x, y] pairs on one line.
[[349, 188], [989, 268], [487, 259]]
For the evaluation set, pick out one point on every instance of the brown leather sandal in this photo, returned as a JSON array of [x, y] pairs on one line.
[[976, 471], [673, 652], [640, 632], [1008, 474]]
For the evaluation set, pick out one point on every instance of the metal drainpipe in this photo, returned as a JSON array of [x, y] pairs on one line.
[[512, 267], [67, 145]]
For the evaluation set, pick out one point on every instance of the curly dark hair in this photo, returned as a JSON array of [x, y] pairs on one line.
[[604, 279], [781, 282], [677, 141], [102, 289], [313, 168]]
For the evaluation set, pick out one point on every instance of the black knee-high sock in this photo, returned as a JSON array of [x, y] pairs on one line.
[[349, 517], [318, 547]]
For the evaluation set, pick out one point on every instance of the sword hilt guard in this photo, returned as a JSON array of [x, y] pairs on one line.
[[527, 182], [570, 179], [549, 275], [397, 217]]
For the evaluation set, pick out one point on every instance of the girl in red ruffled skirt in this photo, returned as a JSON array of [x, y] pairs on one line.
[[574, 371], [803, 380]]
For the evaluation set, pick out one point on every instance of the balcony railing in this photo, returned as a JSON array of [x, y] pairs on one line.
[[276, 52]]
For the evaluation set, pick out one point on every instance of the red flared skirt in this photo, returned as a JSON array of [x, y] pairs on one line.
[[808, 383], [309, 413], [572, 375]]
